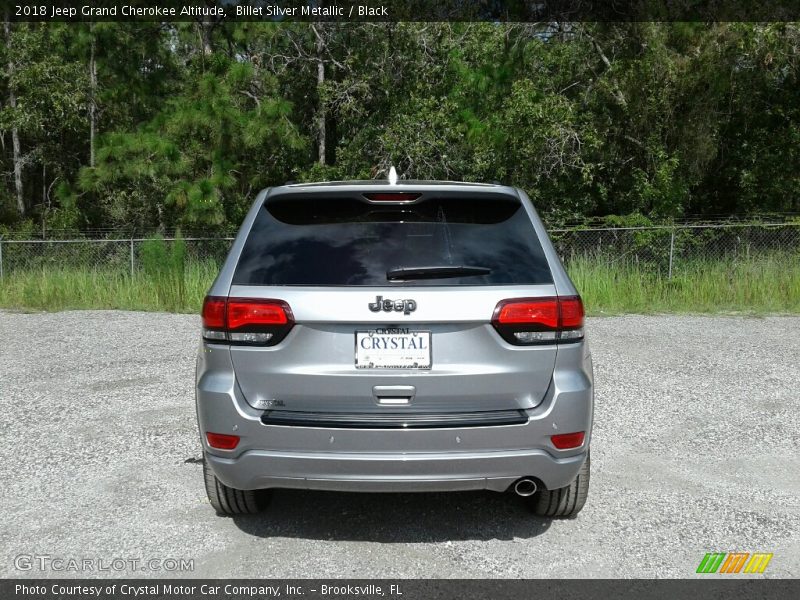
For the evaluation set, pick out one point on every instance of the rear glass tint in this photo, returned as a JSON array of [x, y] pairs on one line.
[[343, 241]]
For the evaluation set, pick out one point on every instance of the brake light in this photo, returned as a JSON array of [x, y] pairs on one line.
[[524, 321], [246, 320], [392, 196], [222, 441], [566, 441]]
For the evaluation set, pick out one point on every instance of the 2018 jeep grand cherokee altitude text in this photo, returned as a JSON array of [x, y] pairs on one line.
[[421, 336]]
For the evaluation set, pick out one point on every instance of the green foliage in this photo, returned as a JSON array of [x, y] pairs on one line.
[[591, 119], [164, 266], [203, 154]]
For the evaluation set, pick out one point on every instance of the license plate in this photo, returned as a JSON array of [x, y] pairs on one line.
[[393, 349]]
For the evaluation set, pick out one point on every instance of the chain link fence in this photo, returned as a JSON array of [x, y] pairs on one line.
[[665, 249], [123, 255]]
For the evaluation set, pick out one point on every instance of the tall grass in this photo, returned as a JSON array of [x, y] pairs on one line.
[[164, 266], [767, 284], [64, 289]]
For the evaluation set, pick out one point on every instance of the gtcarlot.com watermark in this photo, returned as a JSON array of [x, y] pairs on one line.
[[72, 564]]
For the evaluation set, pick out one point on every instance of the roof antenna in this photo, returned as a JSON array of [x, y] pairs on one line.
[[392, 176]]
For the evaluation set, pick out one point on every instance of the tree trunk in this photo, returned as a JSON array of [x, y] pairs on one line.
[[44, 198], [17, 164], [93, 94], [206, 27], [321, 112], [12, 102]]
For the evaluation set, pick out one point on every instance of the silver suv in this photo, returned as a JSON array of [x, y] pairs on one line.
[[395, 337]]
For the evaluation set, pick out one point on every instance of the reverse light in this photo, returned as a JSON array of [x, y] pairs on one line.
[[250, 337], [533, 337], [253, 321], [222, 441], [567, 441], [524, 321]]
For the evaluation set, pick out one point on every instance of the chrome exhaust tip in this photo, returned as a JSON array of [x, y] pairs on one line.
[[525, 487]]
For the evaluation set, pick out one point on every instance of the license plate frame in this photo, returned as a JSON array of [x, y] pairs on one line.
[[409, 359]]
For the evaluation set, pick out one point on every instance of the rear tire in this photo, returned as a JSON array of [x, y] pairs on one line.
[[230, 501], [563, 502]]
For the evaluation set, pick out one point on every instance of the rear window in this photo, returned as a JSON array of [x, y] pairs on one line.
[[343, 241]]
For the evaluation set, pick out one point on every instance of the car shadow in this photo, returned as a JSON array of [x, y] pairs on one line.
[[394, 518]]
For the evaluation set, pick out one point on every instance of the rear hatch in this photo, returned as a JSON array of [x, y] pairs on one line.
[[389, 300]]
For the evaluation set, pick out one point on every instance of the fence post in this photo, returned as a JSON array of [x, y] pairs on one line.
[[671, 251], [1, 258], [131, 258]]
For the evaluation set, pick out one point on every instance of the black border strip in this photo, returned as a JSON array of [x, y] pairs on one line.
[[355, 11]]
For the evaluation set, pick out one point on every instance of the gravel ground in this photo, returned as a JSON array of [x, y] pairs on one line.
[[695, 450]]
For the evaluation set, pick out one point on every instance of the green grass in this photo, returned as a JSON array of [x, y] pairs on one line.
[[769, 284], [65, 289]]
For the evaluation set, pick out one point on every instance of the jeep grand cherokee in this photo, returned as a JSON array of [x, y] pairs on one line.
[[415, 336]]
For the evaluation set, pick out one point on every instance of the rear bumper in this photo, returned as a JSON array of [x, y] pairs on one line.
[[362, 472], [396, 459]]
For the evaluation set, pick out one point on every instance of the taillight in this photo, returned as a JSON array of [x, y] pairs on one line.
[[222, 441], [214, 318], [246, 320], [525, 321], [566, 441]]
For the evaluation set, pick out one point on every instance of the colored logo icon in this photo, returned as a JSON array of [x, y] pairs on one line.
[[734, 562]]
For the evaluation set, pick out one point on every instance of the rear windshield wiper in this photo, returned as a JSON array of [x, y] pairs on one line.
[[434, 272]]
